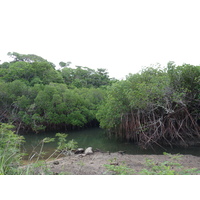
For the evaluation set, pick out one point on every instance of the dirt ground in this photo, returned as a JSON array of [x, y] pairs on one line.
[[94, 164]]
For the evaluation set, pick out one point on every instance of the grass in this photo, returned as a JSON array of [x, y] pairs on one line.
[[170, 167]]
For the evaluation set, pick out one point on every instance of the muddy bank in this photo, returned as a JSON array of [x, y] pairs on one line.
[[94, 164]]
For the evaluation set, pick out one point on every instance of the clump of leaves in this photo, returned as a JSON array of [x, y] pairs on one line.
[[174, 156], [37, 168], [118, 169], [154, 168], [40, 166], [169, 167], [64, 147], [10, 155]]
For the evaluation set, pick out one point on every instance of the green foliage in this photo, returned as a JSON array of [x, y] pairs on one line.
[[61, 140], [118, 169], [84, 77], [174, 156], [63, 64], [39, 154], [168, 167], [26, 58], [184, 78], [110, 111], [37, 168], [10, 155], [36, 96], [56, 104], [63, 145], [40, 72], [154, 106], [137, 92], [164, 168]]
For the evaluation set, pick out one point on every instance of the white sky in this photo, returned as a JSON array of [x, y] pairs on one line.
[[119, 35]]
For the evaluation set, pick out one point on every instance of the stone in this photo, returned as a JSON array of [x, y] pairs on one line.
[[88, 151], [79, 151], [121, 152], [56, 163], [114, 163], [81, 155]]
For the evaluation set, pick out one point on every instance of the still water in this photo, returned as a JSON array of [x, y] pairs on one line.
[[96, 138]]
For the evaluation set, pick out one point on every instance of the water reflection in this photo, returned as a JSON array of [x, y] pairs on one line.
[[96, 138]]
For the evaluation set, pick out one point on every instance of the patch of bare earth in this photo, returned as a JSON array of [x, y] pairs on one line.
[[94, 164]]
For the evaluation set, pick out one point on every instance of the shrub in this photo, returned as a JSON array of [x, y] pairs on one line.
[[10, 155]]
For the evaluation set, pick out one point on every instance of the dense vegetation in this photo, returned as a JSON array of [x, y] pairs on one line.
[[156, 106], [10, 155], [34, 95]]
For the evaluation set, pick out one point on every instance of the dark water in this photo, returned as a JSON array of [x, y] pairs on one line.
[[96, 138]]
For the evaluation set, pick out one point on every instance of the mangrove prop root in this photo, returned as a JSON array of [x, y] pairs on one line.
[[154, 127]]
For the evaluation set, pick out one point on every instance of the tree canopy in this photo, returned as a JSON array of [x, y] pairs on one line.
[[156, 106], [34, 95]]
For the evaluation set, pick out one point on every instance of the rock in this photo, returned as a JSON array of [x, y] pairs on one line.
[[81, 155], [121, 152], [88, 151], [56, 163], [114, 163], [79, 151], [67, 153]]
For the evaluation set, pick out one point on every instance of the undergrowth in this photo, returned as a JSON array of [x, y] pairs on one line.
[[11, 156], [169, 167]]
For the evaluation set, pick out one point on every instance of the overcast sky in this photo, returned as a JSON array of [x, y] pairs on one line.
[[119, 35]]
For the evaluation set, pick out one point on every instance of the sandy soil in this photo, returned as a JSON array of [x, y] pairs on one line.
[[94, 164]]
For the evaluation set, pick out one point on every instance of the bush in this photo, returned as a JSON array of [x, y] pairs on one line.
[[10, 155], [156, 106]]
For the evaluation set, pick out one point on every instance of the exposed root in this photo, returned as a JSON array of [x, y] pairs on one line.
[[159, 127]]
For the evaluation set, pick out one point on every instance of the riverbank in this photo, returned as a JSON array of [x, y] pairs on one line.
[[111, 163]]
